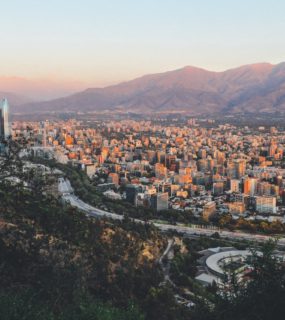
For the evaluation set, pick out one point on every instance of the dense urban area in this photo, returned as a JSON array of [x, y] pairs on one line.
[[225, 175], [127, 218]]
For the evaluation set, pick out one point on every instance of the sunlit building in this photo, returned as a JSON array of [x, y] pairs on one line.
[[250, 186], [265, 204]]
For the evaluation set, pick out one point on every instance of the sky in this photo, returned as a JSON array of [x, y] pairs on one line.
[[101, 42]]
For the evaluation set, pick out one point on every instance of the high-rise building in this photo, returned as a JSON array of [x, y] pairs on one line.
[[44, 133], [131, 192], [250, 186], [4, 123], [240, 167], [236, 169], [265, 204], [159, 201]]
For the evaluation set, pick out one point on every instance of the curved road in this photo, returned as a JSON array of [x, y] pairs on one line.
[[66, 191]]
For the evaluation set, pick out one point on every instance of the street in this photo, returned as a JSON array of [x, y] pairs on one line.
[[66, 191]]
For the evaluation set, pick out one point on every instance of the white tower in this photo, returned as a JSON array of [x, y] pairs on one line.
[[4, 122]]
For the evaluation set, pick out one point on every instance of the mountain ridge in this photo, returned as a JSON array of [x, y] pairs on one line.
[[258, 87]]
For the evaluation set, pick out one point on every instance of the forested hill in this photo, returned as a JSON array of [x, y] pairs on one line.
[[54, 256], [55, 263]]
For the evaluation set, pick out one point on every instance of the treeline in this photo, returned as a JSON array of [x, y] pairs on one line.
[[226, 221]]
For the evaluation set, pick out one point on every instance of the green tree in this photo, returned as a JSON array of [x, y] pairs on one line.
[[263, 296]]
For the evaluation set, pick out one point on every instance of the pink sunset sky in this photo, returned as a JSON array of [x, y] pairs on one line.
[[52, 48]]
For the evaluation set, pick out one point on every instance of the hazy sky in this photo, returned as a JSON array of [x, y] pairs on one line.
[[105, 41]]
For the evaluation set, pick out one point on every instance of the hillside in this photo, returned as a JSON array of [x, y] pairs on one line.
[[55, 263], [56, 260], [250, 88]]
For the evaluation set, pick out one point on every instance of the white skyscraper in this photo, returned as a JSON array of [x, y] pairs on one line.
[[4, 123]]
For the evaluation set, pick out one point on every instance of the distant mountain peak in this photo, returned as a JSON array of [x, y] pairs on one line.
[[192, 68], [255, 87]]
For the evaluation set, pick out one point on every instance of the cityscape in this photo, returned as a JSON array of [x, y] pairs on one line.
[[134, 185], [186, 167]]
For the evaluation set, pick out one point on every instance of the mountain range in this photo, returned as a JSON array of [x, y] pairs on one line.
[[251, 88]]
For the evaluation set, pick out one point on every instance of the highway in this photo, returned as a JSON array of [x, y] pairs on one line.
[[67, 193]]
